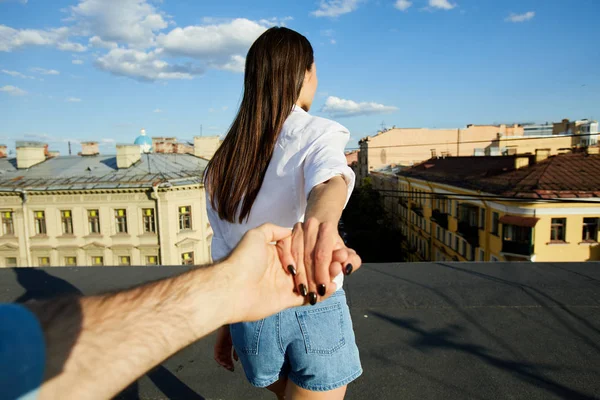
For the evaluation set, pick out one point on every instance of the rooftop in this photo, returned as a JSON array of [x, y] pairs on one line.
[[425, 331], [572, 175], [101, 172]]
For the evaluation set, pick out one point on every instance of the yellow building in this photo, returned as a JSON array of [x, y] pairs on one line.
[[505, 208], [92, 209]]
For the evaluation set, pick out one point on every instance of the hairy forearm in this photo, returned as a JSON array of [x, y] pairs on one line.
[[98, 345], [326, 201]]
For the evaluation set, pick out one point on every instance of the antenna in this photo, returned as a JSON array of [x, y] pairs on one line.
[[200, 129], [382, 126], [69, 147]]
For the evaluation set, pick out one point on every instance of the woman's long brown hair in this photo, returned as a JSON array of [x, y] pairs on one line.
[[275, 69]]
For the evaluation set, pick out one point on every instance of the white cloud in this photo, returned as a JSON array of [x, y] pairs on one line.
[[13, 90], [333, 41], [16, 74], [77, 62], [337, 107], [95, 41], [158, 111], [335, 8], [11, 39], [144, 66], [220, 45], [134, 22], [403, 5], [73, 100], [520, 17], [45, 71], [441, 4]]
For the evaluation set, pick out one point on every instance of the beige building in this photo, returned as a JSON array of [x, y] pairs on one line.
[[92, 209], [409, 146]]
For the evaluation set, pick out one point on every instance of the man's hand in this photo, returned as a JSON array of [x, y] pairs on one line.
[[256, 277]]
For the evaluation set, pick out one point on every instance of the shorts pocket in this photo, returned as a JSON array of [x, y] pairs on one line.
[[246, 336], [322, 328]]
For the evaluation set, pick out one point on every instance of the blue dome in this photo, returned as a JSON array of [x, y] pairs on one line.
[[144, 142]]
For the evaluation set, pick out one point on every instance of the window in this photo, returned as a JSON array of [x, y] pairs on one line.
[[97, 261], [518, 234], [482, 218], [94, 221], [151, 260], [558, 229], [8, 226], [10, 262], [481, 255], [448, 239], [124, 260], [149, 222], [495, 223], [44, 261], [121, 220], [67, 222], [70, 261], [437, 232], [185, 218], [187, 258], [455, 247], [590, 230], [39, 219], [456, 207]]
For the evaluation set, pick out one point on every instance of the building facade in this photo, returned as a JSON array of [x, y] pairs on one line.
[[450, 210], [93, 210]]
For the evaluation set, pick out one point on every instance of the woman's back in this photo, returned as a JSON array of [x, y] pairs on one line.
[[309, 151]]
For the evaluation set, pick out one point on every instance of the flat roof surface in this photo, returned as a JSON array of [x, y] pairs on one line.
[[425, 331]]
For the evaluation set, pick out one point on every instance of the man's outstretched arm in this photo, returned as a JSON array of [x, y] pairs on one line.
[[96, 346]]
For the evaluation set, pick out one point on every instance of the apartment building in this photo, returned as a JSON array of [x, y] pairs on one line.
[[411, 146], [132, 208], [511, 208]]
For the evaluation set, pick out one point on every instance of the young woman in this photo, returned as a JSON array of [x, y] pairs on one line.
[[281, 165]]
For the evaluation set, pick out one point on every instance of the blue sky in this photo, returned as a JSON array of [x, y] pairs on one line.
[[103, 69]]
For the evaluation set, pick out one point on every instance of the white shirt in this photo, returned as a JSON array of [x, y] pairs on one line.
[[309, 151]]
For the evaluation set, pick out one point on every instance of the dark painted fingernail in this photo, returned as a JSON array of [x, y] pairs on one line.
[[321, 289], [303, 289], [312, 298], [292, 270], [349, 269]]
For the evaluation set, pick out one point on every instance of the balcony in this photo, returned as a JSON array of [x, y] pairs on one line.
[[440, 218], [417, 209], [520, 248], [494, 325], [469, 232]]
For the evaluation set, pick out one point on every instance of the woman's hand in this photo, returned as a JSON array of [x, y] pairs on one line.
[[315, 255], [224, 349]]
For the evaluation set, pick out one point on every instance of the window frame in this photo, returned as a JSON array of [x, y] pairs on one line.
[[40, 226], [555, 227], [495, 228], [593, 232], [66, 221], [8, 221], [121, 221], [185, 216], [8, 264], [67, 263], [148, 221], [44, 261], [94, 226], [189, 260]]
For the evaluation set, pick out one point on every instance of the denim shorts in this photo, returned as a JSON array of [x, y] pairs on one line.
[[313, 346]]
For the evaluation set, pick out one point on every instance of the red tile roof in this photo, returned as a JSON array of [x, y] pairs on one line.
[[572, 175]]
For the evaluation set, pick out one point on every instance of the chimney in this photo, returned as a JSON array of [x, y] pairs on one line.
[[30, 153], [521, 162], [127, 155], [541, 154], [3, 151], [89, 149], [206, 146]]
